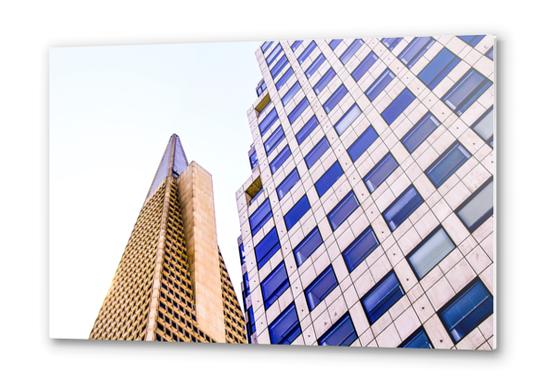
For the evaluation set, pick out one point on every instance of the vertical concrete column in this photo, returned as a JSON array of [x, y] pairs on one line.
[[198, 212]]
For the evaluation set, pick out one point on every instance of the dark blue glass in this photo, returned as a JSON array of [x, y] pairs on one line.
[[489, 53], [437, 69], [291, 93], [382, 297], [342, 210], [329, 178], [466, 91], [414, 50], [296, 44], [266, 45], [391, 42], [307, 129], [251, 323], [287, 184], [296, 212], [418, 339], [324, 81], [334, 43], [260, 216], [471, 40], [315, 153], [402, 207], [241, 249], [351, 51], [335, 98], [380, 172], [274, 285], [267, 247], [420, 131], [279, 66], [360, 249], [261, 87], [268, 121], [322, 286], [284, 78], [307, 246], [274, 139], [315, 65], [273, 54], [360, 145], [277, 162], [341, 333], [285, 328], [379, 84], [347, 119], [364, 66], [253, 158], [246, 285], [467, 310], [447, 163], [298, 110], [398, 105], [306, 53]]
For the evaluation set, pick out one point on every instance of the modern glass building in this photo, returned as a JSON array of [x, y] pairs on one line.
[[367, 219]]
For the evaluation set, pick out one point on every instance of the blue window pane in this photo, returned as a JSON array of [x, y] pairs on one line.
[[314, 155], [260, 216], [467, 310], [328, 178], [306, 53], [471, 40], [431, 251], [307, 246], [334, 43], [274, 139], [298, 110], [274, 54], [253, 158], [446, 165], [285, 328], [360, 249], [307, 129], [437, 69], [296, 44], [261, 87], [251, 323], [351, 51], [279, 66], [284, 78], [324, 81], [478, 207], [246, 285], [466, 91], [342, 210], [274, 285], [379, 84], [277, 162], [402, 207], [242, 255], [380, 172], [267, 247], [287, 184], [360, 145], [322, 286], [382, 297], [415, 49], [266, 45], [489, 53], [364, 66], [418, 339], [347, 119], [391, 42], [335, 98], [296, 212], [315, 65], [341, 333], [291, 93], [398, 105], [420, 131], [268, 121]]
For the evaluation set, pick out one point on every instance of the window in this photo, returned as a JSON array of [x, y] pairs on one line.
[[391, 42], [315, 153], [350, 51], [267, 247], [274, 54], [274, 139], [260, 216], [284, 78], [285, 328], [279, 66], [478, 207], [420, 131], [414, 50], [324, 81], [268, 121], [261, 87], [274, 285], [315, 65], [447, 163], [266, 45], [241, 250], [277, 162], [291, 93], [296, 212], [379, 84], [364, 66], [298, 110], [307, 129], [418, 339], [438, 68], [471, 40], [382, 297], [296, 44], [341, 333], [435, 247], [253, 158], [467, 310], [347, 119], [251, 329], [466, 91], [398, 105], [322, 286], [334, 43], [360, 249], [489, 53], [254, 190], [402, 207], [306, 53], [380, 172], [307, 246], [360, 145], [335, 98], [342, 210], [329, 178], [287, 184], [484, 127]]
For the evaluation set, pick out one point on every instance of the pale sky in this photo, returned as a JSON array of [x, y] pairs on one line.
[[112, 110]]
